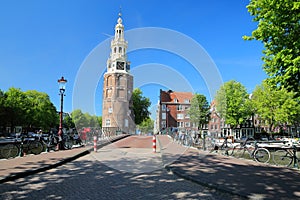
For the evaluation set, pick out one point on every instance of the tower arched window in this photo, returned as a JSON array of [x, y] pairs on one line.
[[120, 49], [115, 50], [109, 81]]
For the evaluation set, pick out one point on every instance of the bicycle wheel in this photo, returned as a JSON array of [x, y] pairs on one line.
[[175, 137], [261, 155], [238, 151], [226, 149], [210, 144], [68, 144], [187, 141], [282, 157], [199, 143], [35, 147], [9, 151]]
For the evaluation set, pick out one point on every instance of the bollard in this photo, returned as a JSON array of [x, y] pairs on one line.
[[154, 144], [95, 143]]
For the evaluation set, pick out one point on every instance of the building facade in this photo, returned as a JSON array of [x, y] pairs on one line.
[[117, 108], [172, 111]]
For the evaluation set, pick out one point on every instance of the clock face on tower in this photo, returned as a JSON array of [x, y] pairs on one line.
[[120, 65]]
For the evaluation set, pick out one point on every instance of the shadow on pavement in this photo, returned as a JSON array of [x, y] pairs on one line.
[[90, 179], [247, 178]]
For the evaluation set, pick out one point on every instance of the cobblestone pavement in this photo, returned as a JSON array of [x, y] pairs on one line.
[[128, 169], [88, 178]]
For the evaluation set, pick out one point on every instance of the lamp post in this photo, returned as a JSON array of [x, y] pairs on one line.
[[62, 88]]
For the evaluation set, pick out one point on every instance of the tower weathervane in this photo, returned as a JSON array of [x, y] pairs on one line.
[[120, 12]]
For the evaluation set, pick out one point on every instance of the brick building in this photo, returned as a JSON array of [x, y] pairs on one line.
[[172, 111]]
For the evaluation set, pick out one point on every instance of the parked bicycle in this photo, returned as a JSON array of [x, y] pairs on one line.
[[182, 138], [225, 148], [10, 148], [52, 140], [286, 156], [251, 150], [32, 144]]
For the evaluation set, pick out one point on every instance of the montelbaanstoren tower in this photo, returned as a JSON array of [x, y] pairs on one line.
[[117, 113]]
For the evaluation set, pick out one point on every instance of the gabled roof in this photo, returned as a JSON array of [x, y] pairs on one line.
[[170, 96]]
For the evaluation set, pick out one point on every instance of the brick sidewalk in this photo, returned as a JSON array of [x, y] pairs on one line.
[[11, 169], [243, 177]]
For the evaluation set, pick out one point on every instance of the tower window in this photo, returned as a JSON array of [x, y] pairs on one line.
[[120, 49], [121, 81], [115, 50], [107, 122]]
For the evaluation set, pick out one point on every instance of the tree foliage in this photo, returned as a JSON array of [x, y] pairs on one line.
[[232, 103], [30, 109], [82, 120], [279, 29], [199, 110], [140, 106], [40, 111], [275, 107], [146, 126]]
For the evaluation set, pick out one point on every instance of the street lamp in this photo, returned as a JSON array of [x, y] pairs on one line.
[[62, 88]]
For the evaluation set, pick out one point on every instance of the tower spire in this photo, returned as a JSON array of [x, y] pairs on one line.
[[120, 11], [118, 56]]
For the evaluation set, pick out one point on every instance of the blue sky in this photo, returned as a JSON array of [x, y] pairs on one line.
[[42, 40]]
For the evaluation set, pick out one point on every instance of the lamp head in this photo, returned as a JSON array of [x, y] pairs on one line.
[[62, 84]]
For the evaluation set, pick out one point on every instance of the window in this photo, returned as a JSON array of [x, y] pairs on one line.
[[109, 81], [186, 101], [179, 124], [176, 100], [108, 93], [110, 110], [179, 107], [120, 49], [107, 122], [187, 116], [187, 124], [163, 116], [179, 116], [121, 81], [163, 107], [163, 124], [126, 122], [121, 93]]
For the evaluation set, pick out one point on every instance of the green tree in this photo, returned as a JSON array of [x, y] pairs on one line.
[[84, 119], [68, 122], [232, 103], [2, 109], [275, 106], [146, 126], [199, 110], [79, 119], [40, 111], [92, 120], [16, 104], [279, 29], [140, 106], [99, 118]]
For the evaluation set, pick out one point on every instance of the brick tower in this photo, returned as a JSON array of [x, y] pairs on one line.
[[117, 113]]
